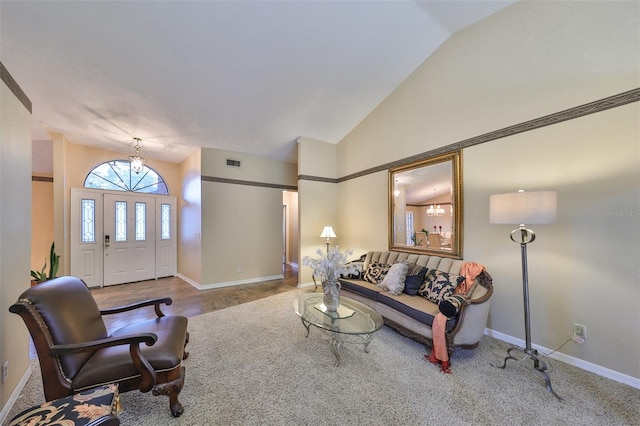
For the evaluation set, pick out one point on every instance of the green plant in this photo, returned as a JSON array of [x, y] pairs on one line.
[[415, 240], [425, 231], [54, 263]]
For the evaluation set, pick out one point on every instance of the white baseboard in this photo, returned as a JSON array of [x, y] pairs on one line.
[[14, 395], [568, 359], [304, 285], [230, 283]]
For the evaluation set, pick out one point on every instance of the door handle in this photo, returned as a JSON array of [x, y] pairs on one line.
[[106, 241]]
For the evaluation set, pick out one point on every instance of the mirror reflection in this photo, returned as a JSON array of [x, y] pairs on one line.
[[424, 206]]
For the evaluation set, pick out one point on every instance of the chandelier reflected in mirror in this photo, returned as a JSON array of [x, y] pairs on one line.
[[435, 210], [137, 161]]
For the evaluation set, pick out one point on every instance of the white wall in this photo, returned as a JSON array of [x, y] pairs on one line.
[[528, 61], [15, 234]]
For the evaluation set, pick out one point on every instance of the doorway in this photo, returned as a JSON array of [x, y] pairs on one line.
[[121, 237]]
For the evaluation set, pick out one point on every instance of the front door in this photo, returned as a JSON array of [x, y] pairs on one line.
[[122, 237], [129, 238]]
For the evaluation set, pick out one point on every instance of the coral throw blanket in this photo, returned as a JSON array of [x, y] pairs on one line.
[[469, 270]]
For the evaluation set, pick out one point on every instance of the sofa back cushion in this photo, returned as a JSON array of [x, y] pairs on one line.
[[443, 264]]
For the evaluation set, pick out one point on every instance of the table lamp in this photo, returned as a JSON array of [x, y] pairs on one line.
[[328, 233]]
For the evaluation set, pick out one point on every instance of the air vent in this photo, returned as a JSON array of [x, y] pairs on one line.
[[233, 163]]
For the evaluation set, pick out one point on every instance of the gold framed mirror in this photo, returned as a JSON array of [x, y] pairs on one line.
[[425, 206]]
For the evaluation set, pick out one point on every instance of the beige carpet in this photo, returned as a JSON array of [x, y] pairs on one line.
[[251, 365]]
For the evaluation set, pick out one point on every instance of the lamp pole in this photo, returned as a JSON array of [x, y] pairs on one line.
[[527, 236]]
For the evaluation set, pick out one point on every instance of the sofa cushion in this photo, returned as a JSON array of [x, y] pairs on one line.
[[414, 279], [368, 290], [439, 285], [393, 282], [418, 308], [376, 272]]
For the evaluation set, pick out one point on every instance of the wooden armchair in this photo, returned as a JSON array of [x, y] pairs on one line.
[[76, 352]]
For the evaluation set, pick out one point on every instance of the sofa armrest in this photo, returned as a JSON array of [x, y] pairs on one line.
[[473, 315], [471, 324]]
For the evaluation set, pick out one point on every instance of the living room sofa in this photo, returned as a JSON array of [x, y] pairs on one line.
[[413, 315]]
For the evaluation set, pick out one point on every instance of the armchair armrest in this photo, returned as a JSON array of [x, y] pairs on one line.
[[94, 345], [150, 302]]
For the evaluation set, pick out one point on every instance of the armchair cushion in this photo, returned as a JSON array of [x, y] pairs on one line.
[[71, 315], [113, 363]]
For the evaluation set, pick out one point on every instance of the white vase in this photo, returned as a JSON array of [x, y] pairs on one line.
[[331, 298]]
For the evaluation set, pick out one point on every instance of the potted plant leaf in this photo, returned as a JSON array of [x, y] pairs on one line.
[[54, 262]]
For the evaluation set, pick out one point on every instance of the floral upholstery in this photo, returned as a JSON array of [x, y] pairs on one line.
[[98, 406]]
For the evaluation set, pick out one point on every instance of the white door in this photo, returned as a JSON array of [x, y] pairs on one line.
[[122, 237], [166, 232], [86, 236], [129, 238]]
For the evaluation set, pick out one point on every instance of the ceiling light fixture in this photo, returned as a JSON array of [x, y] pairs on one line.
[[137, 161]]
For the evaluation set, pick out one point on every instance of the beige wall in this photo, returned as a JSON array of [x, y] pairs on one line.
[[583, 268], [190, 219], [15, 234], [532, 59], [242, 222], [41, 223], [317, 199], [72, 163]]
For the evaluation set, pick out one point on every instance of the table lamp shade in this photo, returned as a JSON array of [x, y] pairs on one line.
[[528, 208], [327, 232]]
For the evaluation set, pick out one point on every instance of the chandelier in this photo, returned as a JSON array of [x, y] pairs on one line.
[[436, 210], [137, 161]]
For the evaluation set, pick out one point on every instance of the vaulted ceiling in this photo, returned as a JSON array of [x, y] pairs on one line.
[[246, 76]]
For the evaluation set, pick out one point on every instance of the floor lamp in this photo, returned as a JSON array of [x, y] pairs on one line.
[[328, 233], [525, 208]]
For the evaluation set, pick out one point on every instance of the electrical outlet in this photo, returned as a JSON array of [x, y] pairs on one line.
[[5, 371], [238, 269], [579, 333]]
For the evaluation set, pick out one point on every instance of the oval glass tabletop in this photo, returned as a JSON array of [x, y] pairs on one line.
[[364, 320]]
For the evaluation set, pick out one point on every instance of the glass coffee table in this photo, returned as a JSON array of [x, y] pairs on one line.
[[354, 322]]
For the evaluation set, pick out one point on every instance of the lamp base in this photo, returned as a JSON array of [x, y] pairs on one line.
[[538, 364]]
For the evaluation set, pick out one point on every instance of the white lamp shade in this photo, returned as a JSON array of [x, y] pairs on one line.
[[327, 232], [531, 208]]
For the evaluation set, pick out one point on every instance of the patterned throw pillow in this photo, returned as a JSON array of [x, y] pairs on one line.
[[393, 282], [376, 272], [415, 278], [439, 285]]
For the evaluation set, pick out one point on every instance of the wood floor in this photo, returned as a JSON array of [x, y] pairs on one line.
[[187, 300]]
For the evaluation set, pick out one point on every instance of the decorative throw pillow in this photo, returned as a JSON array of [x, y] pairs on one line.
[[450, 305], [359, 263], [393, 282], [439, 285], [358, 272], [376, 272], [415, 277]]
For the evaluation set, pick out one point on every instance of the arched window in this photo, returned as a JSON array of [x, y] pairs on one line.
[[117, 175]]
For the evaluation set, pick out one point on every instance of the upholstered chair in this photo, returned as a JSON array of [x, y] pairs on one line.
[[76, 352]]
